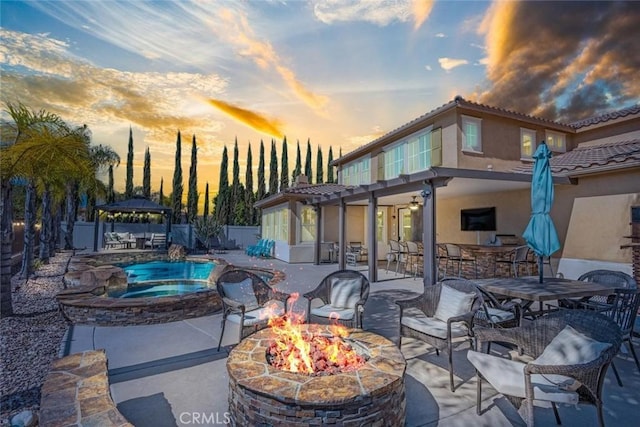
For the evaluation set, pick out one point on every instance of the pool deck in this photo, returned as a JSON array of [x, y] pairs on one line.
[[172, 375]]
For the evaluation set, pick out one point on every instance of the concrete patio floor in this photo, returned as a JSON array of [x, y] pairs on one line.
[[172, 375]]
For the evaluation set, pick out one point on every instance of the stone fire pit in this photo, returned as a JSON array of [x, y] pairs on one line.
[[260, 394]]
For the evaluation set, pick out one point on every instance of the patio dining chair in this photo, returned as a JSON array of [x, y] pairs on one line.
[[568, 353], [515, 258], [619, 279], [343, 295], [248, 302], [394, 253], [442, 316], [456, 256]]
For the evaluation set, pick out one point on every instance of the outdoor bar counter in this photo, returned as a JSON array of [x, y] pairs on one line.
[[486, 261]]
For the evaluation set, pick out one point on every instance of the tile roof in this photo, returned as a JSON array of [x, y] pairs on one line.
[[606, 117], [594, 158], [316, 189]]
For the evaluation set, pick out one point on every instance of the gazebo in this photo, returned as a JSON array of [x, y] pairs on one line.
[[136, 204]]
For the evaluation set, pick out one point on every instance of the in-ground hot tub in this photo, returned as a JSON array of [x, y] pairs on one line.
[[261, 394], [96, 285]]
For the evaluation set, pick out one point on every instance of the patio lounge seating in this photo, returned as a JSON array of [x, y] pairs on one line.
[[156, 240], [569, 350], [111, 241], [343, 294], [443, 313], [248, 301]]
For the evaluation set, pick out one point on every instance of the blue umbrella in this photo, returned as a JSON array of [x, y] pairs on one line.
[[541, 235]]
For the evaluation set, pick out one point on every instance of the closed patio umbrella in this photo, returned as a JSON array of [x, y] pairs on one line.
[[540, 234]]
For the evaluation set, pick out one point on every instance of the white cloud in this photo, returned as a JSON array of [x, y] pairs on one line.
[[428, 67], [440, 35], [377, 12], [449, 64]]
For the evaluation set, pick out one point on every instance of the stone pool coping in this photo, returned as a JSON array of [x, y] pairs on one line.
[[90, 276]]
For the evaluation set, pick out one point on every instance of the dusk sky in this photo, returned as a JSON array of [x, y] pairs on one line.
[[340, 73]]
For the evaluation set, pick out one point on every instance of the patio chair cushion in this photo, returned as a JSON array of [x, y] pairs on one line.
[[570, 347], [507, 377], [453, 303], [241, 292], [272, 308], [415, 318], [327, 310], [345, 293], [498, 315]]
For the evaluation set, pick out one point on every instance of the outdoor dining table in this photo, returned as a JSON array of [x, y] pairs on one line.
[[530, 290]]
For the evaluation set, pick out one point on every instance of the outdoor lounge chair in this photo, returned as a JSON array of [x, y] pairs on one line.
[[111, 241], [248, 301], [156, 240], [343, 294], [443, 313], [569, 352]]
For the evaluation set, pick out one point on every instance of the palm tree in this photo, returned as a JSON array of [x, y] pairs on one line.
[[23, 118]]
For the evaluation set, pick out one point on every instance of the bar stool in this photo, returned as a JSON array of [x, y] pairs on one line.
[[455, 255]]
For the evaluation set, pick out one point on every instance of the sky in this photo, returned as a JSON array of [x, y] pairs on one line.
[[339, 73]]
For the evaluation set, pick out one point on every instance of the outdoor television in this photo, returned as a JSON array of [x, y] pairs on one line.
[[478, 219]]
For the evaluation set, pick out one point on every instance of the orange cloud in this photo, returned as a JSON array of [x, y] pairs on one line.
[[253, 120], [421, 11]]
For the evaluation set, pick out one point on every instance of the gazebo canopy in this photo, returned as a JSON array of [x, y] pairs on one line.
[[137, 205]]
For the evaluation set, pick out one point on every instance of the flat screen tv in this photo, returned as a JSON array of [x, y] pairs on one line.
[[478, 219]]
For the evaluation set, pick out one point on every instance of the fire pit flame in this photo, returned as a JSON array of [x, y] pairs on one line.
[[299, 350]]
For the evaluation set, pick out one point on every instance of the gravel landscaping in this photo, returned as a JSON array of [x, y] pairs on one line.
[[31, 339]]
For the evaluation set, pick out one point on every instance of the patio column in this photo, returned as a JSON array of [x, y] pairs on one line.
[[429, 233], [372, 257], [342, 235], [318, 210]]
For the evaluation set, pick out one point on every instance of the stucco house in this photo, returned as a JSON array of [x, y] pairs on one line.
[[413, 183]]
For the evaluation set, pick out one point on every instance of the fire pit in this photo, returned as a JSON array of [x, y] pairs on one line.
[[368, 392]]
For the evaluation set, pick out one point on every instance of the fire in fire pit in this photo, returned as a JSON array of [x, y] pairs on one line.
[[304, 351]]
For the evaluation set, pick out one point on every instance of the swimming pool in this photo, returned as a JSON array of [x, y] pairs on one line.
[[163, 278]]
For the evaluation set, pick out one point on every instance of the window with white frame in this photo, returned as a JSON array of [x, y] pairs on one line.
[[527, 143], [357, 173], [275, 224], [394, 161], [555, 141], [308, 224], [471, 134], [419, 149]]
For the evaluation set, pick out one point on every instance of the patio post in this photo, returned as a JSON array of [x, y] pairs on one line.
[[429, 233], [319, 239], [372, 257], [96, 223], [342, 235]]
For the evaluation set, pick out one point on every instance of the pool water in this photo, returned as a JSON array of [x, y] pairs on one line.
[[164, 278], [159, 289], [167, 270]]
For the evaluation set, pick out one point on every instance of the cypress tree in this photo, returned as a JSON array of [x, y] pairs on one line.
[[237, 190], [161, 194], [221, 209], [307, 162], [111, 195], [284, 165], [146, 175], [176, 195], [329, 167], [273, 170], [128, 191], [262, 191], [298, 169], [205, 211], [248, 193], [192, 196], [319, 167]]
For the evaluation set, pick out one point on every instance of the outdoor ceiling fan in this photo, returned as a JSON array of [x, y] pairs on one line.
[[414, 205]]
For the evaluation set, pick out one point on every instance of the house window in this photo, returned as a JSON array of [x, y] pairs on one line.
[[423, 151], [356, 173], [394, 162], [556, 141], [527, 143], [307, 224], [471, 134], [275, 224]]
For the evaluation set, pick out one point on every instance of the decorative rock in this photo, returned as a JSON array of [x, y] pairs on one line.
[[177, 253], [24, 419], [106, 275]]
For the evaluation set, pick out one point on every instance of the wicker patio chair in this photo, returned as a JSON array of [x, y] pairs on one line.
[[568, 369], [618, 278], [343, 294], [248, 301], [439, 320]]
